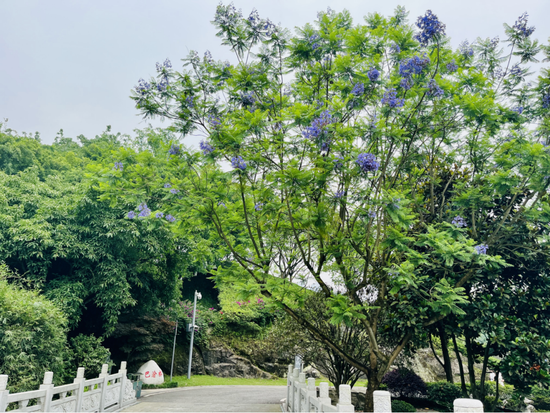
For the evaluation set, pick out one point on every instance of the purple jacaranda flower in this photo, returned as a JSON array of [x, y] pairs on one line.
[[459, 222], [367, 162], [431, 28], [237, 162], [481, 248]]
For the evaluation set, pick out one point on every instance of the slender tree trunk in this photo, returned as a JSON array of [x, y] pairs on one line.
[[497, 393], [471, 372], [445, 349], [460, 368], [483, 375]]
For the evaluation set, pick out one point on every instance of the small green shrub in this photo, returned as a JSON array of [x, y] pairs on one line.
[[165, 385], [515, 402], [443, 394], [541, 398], [401, 406]]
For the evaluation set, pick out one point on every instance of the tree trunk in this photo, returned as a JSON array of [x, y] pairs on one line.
[[445, 349], [373, 382], [483, 375], [460, 368], [372, 385], [471, 372]]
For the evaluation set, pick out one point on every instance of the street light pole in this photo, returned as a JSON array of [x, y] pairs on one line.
[[199, 296], [173, 350]]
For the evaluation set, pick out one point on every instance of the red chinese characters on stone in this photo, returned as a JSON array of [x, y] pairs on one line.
[[154, 374], [147, 374], [160, 373]]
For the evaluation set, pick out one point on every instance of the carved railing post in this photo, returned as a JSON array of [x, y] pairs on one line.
[[323, 393], [80, 392], [311, 392], [104, 374], [123, 380], [295, 390], [344, 399], [4, 392], [289, 387], [47, 385], [382, 401], [301, 390]]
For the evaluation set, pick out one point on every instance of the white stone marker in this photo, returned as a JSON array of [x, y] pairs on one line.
[[468, 406], [150, 373]]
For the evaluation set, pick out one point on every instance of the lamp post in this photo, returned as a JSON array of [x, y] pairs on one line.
[[173, 350], [192, 328], [174, 347]]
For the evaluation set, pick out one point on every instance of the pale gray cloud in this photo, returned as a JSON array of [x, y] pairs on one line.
[[71, 64]]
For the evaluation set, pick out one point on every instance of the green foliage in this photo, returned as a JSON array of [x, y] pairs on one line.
[[32, 336], [541, 398], [443, 394], [401, 406], [83, 252], [137, 338], [87, 352]]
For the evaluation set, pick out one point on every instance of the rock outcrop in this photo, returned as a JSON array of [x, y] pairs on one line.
[[222, 362]]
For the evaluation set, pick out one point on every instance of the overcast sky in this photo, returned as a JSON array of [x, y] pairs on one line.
[[71, 64]]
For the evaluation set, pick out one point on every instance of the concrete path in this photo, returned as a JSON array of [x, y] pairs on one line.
[[211, 399]]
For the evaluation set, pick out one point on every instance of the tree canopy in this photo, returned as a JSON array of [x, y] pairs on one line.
[[371, 161]]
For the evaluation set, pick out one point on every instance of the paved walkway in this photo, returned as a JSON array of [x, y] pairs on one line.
[[211, 399]]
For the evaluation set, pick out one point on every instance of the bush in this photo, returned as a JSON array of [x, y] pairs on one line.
[[33, 336], [404, 383], [541, 398], [443, 394], [165, 385], [87, 352], [401, 406]]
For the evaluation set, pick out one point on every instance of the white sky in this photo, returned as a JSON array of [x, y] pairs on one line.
[[70, 64]]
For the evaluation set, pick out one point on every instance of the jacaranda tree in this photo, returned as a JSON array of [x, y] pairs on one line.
[[362, 159]]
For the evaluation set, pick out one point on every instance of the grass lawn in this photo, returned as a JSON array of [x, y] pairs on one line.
[[198, 380]]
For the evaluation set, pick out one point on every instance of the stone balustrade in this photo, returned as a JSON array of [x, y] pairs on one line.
[[302, 397], [109, 392]]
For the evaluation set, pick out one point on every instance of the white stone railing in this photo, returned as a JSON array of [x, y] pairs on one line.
[[302, 396], [109, 392]]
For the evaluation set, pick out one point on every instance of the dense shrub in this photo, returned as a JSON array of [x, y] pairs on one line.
[[443, 394], [141, 337], [401, 406], [87, 352], [541, 398], [404, 383], [32, 336]]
